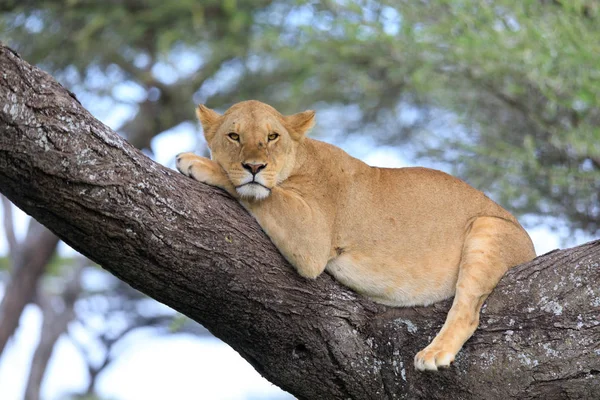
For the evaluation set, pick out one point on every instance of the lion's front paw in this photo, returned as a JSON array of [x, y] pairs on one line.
[[433, 357], [196, 167]]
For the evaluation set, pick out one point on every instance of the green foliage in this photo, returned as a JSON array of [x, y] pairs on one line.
[[178, 322], [5, 263], [100, 35], [523, 78], [59, 264], [56, 266]]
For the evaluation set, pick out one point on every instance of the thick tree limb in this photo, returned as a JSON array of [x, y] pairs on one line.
[[192, 247]]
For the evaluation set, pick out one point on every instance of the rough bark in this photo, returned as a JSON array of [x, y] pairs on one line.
[[194, 248]]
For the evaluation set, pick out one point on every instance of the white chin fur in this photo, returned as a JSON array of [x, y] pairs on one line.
[[253, 191]]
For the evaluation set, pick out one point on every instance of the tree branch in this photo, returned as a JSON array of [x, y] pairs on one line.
[[195, 249], [30, 262], [9, 228], [54, 324]]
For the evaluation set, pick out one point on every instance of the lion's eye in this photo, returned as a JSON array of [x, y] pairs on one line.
[[234, 136], [273, 136]]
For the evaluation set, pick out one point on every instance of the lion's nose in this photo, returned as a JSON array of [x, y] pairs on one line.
[[254, 168]]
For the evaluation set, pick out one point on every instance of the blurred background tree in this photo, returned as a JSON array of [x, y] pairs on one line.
[[504, 94]]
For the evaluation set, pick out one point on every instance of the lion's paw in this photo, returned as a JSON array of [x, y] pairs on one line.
[[433, 357], [196, 167], [184, 162]]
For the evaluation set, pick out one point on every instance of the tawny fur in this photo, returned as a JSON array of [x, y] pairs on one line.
[[402, 237]]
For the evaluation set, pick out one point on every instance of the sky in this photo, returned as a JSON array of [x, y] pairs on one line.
[[180, 366]]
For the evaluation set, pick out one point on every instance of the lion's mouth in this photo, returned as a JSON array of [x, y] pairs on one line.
[[253, 190], [253, 183]]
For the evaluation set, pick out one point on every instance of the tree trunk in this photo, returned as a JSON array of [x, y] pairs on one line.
[[30, 259], [56, 319], [195, 249]]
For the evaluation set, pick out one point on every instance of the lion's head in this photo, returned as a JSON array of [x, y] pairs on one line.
[[254, 144]]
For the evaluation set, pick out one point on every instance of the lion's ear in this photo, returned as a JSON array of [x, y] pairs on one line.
[[299, 124], [208, 118]]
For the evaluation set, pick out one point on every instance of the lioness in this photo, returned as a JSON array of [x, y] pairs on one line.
[[400, 236]]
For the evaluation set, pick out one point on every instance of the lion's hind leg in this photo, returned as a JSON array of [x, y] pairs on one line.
[[492, 246]]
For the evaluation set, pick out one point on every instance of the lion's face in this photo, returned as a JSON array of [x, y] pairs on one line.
[[254, 144]]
